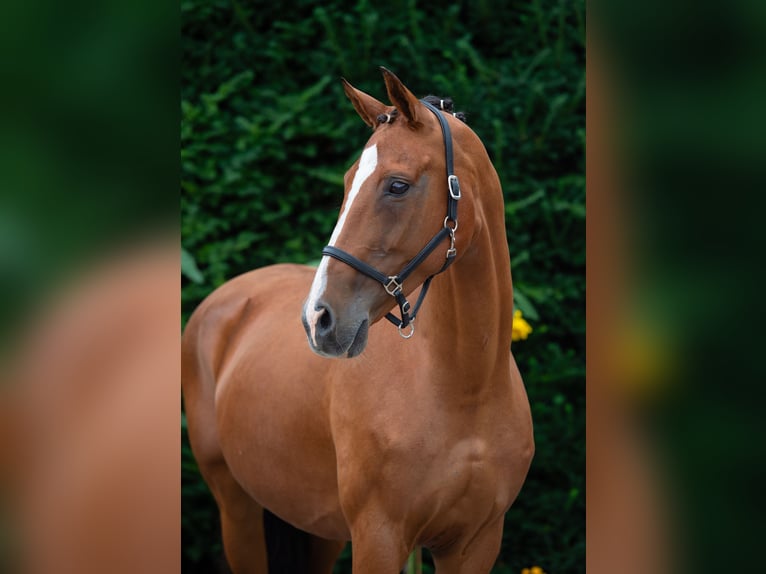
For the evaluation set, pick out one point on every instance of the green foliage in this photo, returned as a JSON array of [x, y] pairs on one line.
[[267, 134]]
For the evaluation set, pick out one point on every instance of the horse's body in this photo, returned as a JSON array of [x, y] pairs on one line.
[[425, 441]]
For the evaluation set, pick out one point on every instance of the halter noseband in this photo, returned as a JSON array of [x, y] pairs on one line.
[[394, 284]]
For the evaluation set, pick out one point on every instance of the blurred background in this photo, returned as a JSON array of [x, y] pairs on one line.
[[676, 141], [89, 278], [267, 134]]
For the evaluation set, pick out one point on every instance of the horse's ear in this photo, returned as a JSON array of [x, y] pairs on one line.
[[365, 105], [404, 100]]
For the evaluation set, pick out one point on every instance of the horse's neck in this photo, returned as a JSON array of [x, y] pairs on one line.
[[469, 318]]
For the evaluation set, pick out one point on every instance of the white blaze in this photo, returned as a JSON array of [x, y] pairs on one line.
[[367, 164]]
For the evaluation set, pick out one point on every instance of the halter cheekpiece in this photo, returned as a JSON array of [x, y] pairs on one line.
[[394, 284]]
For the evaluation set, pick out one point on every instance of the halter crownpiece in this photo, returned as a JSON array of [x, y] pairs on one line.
[[386, 118], [394, 284]]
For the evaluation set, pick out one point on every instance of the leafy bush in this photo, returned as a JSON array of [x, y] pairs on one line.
[[267, 135]]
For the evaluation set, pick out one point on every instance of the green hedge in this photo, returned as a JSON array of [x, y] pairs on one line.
[[267, 135]]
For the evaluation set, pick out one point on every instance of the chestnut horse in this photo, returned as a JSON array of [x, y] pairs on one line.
[[368, 433]]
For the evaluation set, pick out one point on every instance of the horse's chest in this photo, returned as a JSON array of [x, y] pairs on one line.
[[471, 470], [428, 474]]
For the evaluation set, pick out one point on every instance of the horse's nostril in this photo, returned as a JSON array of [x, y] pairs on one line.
[[325, 321]]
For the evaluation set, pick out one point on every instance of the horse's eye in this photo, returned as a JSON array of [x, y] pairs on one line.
[[398, 187]]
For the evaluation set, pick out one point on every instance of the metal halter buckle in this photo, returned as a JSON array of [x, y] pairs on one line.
[[454, 187], [393, 286]]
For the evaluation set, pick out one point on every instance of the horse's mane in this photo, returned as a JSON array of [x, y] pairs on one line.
[[444, 104]]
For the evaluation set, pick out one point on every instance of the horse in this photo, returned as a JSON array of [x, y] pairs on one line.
[[301, 400]]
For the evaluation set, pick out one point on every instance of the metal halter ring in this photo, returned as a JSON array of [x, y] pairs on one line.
[[404, 335], [447, 220], [393, 286]]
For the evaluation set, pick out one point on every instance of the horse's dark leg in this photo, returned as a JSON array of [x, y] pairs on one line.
[[293, 551], [324, 554], [287, 547]]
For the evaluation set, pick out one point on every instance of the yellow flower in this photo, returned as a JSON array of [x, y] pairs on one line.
[[521, 330], [533, 570]]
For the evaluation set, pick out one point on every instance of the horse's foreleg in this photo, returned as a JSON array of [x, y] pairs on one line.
[[241, 522], [377, 548], [476, 556]]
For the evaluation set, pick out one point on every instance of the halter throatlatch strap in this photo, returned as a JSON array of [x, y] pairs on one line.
[[394, 284]]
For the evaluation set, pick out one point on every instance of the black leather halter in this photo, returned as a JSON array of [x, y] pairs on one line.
[[394, 284]]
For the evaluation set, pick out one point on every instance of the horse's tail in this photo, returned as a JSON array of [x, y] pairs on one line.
[[287, 547]]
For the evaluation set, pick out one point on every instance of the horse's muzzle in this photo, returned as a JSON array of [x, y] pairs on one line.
[[330, 337]]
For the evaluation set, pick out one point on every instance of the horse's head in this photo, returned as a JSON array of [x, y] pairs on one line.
[[396, 203]]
